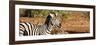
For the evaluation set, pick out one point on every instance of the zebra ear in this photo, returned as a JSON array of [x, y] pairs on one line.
[[52, 15], [56, 14]]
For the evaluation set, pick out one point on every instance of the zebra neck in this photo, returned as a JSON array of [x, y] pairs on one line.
[[49, 27]]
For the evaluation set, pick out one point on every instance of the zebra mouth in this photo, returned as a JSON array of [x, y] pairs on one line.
[[59, 26]]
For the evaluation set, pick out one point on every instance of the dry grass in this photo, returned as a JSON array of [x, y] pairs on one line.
[[76, 23], [36, 20]]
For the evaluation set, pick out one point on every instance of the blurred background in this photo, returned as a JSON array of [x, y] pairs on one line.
[[71, 21]]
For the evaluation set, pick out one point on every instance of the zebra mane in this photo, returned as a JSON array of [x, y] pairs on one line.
[[47, 21]]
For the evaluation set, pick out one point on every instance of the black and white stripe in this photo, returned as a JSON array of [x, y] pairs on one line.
[[32, 29], [28, 29]]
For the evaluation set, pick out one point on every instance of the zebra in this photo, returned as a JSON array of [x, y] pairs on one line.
[[29, 29]]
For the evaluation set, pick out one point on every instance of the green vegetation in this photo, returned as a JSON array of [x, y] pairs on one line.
[[38, 12], [43, 13]]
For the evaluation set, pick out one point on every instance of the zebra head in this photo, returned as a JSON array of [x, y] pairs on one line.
[[55, 21]]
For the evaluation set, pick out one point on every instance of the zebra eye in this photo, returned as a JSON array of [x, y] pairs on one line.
[[60, 24]]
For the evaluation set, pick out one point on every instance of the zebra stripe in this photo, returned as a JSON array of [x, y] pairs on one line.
[[32, 29], [29, 29]]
